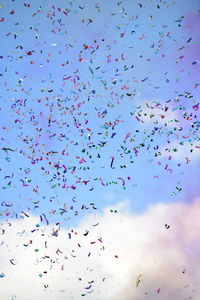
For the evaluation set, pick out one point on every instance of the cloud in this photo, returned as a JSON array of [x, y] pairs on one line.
[[181, 151], [156, 113], [105, 257]]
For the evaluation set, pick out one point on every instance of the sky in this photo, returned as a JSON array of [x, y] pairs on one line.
[[99, 164]]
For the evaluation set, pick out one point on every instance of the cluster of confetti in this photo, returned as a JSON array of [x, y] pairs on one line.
[[90, 93]]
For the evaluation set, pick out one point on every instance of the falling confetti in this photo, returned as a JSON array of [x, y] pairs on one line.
[[99, 104]]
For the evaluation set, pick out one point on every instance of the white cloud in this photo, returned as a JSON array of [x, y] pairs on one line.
[[180, 152], [152, 113], [126, 246]]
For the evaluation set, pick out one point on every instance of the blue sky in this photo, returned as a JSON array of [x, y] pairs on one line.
[[75, 63]]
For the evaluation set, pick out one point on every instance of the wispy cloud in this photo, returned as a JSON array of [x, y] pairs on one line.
[[116, 255], [181, 150]]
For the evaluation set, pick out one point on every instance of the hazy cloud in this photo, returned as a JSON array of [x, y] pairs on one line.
[[116, 255]]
